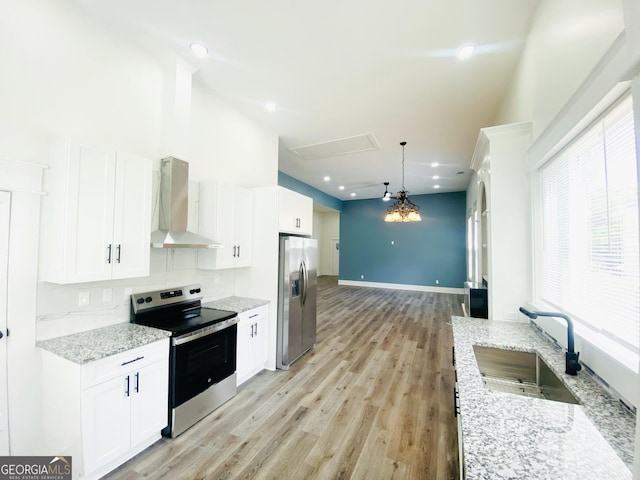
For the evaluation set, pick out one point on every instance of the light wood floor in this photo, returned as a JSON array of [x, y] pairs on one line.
[[372, 400]]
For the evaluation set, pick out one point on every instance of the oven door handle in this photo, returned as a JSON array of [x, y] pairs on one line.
[[190, 337]]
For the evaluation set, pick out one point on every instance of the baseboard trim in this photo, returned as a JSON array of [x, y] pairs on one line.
[[399, 286]]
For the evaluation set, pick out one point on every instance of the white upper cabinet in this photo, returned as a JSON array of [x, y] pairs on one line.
[[295, 212], [226, 216], [96, 215]]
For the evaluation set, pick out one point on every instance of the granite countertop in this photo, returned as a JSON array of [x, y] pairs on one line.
[[236, 304], [507, 436], [92, 345]]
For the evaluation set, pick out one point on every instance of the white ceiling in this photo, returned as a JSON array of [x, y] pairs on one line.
[[344, 68]]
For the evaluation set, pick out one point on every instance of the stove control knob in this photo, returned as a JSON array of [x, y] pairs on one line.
[[140, 300], [148, 299]]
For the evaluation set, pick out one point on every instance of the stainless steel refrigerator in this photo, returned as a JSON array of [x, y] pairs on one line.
[[297, 296]]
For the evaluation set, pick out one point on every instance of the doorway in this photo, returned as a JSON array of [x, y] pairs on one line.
[[335, 256], [5, 216]]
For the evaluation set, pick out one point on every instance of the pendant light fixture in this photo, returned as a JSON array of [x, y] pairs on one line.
[[403, 209]]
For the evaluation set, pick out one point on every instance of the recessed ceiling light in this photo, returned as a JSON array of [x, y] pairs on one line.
[[466, 51], [199, 49], [270, 106], [436, 177], [341, 187], [327, 178], [353, 194], [436, 186], [435, 164]]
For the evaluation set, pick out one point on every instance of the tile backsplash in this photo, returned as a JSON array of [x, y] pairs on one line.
[[67, 309]]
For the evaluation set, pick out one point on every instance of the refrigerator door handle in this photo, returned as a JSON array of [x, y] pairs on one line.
[[306, 281], [302, 281]]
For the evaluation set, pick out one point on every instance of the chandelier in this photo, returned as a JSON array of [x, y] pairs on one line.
[[403, 209]]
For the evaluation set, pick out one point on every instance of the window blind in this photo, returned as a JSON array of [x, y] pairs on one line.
[[590, 237]]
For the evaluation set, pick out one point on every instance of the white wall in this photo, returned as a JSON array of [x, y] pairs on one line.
[[565, 42], [65, 75]]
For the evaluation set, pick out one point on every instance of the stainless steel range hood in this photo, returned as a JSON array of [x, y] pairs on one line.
[[174, 205]]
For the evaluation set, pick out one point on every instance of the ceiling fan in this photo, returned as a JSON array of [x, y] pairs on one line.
[[387, 195]]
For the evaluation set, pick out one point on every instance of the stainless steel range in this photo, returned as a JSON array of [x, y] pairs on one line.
[[202, 359]]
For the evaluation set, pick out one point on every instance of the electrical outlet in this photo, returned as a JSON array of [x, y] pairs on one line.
[[107, 295], [127, 293], [437, 282], [84, 298], [393, 242], [361, 277]]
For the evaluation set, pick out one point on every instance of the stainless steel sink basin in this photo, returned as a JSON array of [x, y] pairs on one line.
[[522, 373]]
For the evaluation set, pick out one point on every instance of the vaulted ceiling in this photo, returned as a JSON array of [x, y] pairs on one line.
[[351, 78]]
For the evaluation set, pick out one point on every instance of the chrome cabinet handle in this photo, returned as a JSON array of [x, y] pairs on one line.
[[126, 388], [238, 251], [137, 382], [118, 250], [109, 253], [234, 251]]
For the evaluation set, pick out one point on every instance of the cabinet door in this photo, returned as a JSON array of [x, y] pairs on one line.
[[243, 351], [132, 223], [217, 221], [149, 401], [87, 215], [252, 343], [105, 422], [288, 210], [305, 215], [260, 341], [295, 212], [244, 227]]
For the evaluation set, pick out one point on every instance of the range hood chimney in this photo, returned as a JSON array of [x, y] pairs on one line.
[[174, 205]]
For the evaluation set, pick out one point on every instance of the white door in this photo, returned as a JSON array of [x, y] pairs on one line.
[[5, 209], [335, 256]]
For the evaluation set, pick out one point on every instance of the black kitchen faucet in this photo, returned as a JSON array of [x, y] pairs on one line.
[[572, 364]]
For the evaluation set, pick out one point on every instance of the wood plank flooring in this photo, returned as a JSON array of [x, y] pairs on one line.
[[372, 400]]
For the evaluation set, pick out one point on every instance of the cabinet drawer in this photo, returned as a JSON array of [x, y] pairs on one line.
[[253, 315], [98, 372]]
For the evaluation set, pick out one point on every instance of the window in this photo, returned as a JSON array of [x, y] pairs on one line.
[[590, 237]]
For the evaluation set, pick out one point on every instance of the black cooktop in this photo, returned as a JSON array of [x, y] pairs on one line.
[[180, 323], [178, 310]]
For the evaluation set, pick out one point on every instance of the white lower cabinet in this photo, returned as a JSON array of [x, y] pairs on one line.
[[251, 354], [456, 412], [103, 413]]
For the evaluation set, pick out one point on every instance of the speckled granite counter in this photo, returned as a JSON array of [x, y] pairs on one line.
[[236, 304], [92, 345], [508, 436]]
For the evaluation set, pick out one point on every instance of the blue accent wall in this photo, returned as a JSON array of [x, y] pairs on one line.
[[423, 252], [322, 198]]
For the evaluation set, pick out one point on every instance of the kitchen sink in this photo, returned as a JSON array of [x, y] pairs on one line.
[[521, 373]]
